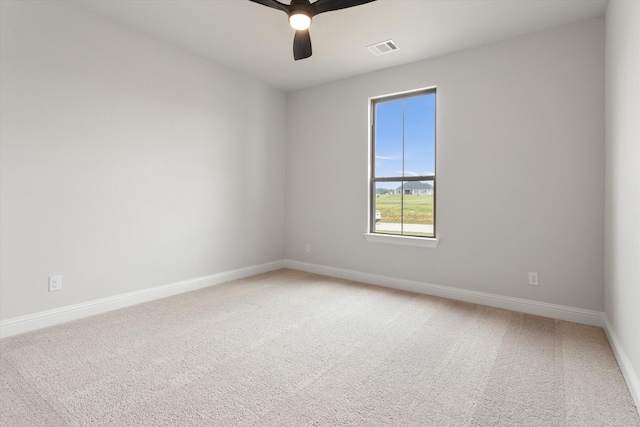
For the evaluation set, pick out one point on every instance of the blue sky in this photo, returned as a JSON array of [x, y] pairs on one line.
[[417, 114]]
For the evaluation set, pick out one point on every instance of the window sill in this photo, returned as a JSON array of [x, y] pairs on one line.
[[421, 242]]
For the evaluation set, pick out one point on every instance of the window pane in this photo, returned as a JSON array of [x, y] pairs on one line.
[[404, 153], [388, 207], [388, 138], [419, 135], [417, 208]]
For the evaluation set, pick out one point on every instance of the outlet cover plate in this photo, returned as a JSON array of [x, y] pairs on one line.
[[55, 283]]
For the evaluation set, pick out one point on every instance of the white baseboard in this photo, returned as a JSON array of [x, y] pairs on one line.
[[39, 320], [630, 375], [561, 312], [30, 322]]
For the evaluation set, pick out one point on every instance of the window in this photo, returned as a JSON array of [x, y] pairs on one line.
[[403, 176]]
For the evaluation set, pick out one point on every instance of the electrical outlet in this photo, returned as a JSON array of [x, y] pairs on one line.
[[533, 278], [307, 248], [55, 283]]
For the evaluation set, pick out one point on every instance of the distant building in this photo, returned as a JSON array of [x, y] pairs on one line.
[[415, 188]]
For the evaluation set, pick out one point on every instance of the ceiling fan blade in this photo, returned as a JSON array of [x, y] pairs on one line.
[[301, 45], [274, 4], [328, 5]]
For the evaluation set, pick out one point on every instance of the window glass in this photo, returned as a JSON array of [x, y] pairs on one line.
[[389, 128], [403, 180]]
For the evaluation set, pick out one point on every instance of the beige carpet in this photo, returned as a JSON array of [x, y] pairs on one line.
[[295, 349]]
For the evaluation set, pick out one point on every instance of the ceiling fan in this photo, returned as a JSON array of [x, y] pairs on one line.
[[300, 13]]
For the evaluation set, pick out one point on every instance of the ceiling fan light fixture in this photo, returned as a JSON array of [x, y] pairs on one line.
[[300, 13], [299, 20]]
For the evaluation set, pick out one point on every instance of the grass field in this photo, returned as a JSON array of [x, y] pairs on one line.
[[417, 209]]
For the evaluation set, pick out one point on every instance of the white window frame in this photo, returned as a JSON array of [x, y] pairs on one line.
[[395, 239]]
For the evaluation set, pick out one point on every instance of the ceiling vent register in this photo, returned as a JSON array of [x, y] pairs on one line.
[[383, 47]]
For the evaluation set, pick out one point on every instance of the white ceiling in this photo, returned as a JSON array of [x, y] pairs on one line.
[[257, 41]]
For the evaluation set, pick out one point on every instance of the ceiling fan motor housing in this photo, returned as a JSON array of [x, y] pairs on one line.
[[301, 6]]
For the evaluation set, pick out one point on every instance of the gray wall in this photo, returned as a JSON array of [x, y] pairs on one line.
[[622, 291], [520, 169], [127, 163]]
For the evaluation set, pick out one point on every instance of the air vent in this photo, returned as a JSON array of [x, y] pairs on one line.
[[383, 47]]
